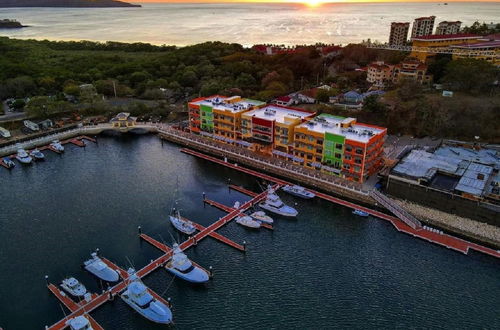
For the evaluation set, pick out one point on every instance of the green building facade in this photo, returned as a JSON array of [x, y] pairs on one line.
[[207, 118], [333, 150]]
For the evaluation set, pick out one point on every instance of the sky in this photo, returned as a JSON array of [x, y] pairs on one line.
[[309, 1]]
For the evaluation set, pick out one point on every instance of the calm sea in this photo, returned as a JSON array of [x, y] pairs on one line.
[[325, 269], [247, 24]]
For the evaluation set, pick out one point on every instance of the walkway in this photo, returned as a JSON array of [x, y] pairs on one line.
[[445, 240]]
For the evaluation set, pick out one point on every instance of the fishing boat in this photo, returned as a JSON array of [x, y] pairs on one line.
[[8, 162], [96, 266], [262, 217], [360, 213], [79, 323], [56, 145], [37, 154], [247, 221], [138, 296], [23, 157], [182, 267], [273, 204], [73, 287], [298, 191], [181, 224]]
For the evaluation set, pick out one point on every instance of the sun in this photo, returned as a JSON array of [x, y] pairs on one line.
[[313, 3]]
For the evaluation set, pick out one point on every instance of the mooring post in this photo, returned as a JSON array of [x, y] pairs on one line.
[[97, 251], [47, 279], [169, 301], [139, 229], [245, 246], [210, 271]]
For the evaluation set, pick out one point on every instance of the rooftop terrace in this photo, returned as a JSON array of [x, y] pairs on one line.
[[279, 114], [233, 104]]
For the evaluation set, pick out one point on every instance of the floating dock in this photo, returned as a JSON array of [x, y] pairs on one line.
[[86, 307], [445, 240]]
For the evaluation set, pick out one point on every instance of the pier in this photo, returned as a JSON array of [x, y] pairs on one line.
[[442, 239], [98, 300]]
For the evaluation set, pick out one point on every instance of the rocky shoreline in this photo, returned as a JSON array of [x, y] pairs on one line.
[[11, 24]]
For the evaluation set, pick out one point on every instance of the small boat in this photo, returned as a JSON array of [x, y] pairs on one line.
[[274, 204], [73, 287], [79, 323], [8, 162], [96, 266], [138, 296], [23, 157], [298, 191], [37, 154], [262, 217], [56, 144], [182, 267], [360, 213], [181, 224], [247, 221]]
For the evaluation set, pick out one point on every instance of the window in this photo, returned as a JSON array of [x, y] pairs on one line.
[[348, 157], [339, 146], [357, 160], [348, 148], [359, 151], [337, 155]]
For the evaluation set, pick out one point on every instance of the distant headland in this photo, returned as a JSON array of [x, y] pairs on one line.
[[10, 24], [66, 3]]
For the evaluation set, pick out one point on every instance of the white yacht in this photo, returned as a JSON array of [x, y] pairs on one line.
[[137, 296], [79, 323], [182, 267], [298, 191], [247, 221], [37, 154], [73, 287], [182, 225], [274, 204], [23, 157], [96, 266], [360, 213], [56, 144], [8, 162], [262, 217]]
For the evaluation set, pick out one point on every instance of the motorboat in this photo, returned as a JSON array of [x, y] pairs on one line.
[[37, 154], [23, 157], [298, 191], [247, 221], [96, 266], [181, 224], [56, 145], [138, 296], [262, 217], [182, 267], [73, 287], [360, 213], [79, 323], [273, 204], [8, 162]]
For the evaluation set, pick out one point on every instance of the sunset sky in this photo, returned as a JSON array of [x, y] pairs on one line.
[[306, 1]]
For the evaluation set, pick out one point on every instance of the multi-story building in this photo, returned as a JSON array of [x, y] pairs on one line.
[[489, 43], [340, 146], [423, 26], [448, 27], [399, 33], [411, 69], [271, 128], [379, 73], [433, 41], [220, 115]]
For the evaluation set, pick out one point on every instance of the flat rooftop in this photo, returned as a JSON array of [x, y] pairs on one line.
[[325, 123], [223, 103], [278, 113]]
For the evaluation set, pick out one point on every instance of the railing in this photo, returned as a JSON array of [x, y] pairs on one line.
[[438, 50], [396, 209], [280, 165]]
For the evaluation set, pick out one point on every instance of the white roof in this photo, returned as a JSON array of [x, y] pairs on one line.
[[278, 114], [220, 103], [474, 179], [333, 125]]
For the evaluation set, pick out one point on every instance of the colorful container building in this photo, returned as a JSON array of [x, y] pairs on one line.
[[340, 146], [272, 127], [220, 115]]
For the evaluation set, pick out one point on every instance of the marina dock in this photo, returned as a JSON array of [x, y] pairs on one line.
[[86, 307], [442, 239]]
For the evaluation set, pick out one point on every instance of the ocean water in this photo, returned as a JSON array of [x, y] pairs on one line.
[[247, 24], [325, 269]]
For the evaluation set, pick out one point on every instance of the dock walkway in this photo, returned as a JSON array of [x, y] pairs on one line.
[[444, 240]]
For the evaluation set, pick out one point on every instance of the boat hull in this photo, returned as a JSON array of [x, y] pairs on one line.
[[108, 276], [289, 213], [147, 313], [24, 160], [178, 225], [196, 276], [296, 194]]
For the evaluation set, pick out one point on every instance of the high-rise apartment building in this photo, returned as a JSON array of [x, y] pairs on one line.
[[447, 27], [423, 26], [399, 33]]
